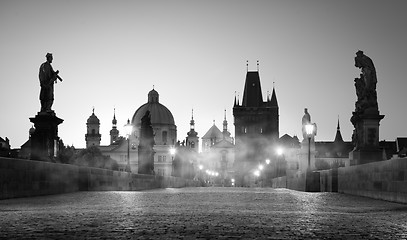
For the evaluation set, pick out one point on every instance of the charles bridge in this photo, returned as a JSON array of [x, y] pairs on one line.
[[202, 213], [41, 199]]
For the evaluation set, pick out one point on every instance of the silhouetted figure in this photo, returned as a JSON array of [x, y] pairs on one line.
[[366, 84], [47, 77], [306, 119], [146, 152], [366, 117]]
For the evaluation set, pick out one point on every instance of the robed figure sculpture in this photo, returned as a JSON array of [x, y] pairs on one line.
[[47, 77]]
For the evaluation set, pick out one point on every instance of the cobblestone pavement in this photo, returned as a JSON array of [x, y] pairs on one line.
[[202, 213]]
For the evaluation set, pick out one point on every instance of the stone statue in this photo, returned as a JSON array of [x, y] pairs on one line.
[[366, 84], [306, 119], [145, 148], [366, 117], [47, 77]]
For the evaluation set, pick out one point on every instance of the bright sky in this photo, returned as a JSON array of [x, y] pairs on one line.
[[111, 53]]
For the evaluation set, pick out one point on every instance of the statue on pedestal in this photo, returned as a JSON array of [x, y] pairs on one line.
[[366, 117], [366, 84], [47, 77]]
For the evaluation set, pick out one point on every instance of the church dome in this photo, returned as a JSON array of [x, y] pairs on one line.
[[93, 119], [158, 112]]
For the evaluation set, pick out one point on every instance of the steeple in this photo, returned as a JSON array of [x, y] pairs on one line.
[[192, 123], [192, 139], [273, 101], [338, 136], [225, 123], [114, 121], [114, 133]]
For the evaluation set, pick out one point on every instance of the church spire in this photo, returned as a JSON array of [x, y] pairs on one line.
[[114, 121], [114, 133], [192, 123], [338, 136]]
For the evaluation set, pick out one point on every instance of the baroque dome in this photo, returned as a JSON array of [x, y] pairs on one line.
[[93, 119], [158, 112]]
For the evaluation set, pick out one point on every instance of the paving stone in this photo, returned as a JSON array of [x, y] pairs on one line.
[[202, 213]]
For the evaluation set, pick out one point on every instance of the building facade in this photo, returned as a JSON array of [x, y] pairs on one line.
[[256, 128], [124, 149]]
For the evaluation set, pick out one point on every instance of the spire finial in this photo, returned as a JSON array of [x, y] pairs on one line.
[[213, 121], [338, 127], [247, 65], [225, 114], [192, 114], [257, 65], [93, 110], [153, 86]]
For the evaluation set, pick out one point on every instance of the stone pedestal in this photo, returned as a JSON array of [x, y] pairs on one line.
[[44, 141], [366, 138]]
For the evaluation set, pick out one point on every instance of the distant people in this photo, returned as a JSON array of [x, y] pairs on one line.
[[47, 77]]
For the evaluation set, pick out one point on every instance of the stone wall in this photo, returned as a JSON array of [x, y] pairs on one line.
[[26, 178], [329, 180], [296, 181], [280, 182], [386, 180]]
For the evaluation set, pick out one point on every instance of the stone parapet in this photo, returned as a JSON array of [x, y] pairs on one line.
[[26, 178], [386, 180]]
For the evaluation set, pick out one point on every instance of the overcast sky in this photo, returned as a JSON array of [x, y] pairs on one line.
[[111, 53]]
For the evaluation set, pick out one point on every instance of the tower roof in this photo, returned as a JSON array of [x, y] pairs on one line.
[[93, 119], [273, 101], [252, 96], [159, 113], [213, 132], [114, 121], [338, 136]]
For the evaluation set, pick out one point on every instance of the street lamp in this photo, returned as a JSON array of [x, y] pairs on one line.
[[280, 151], [128, 129], [309, 129], [267, 161]]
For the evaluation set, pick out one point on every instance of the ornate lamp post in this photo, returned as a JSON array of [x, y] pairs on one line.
[[128, 129]]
